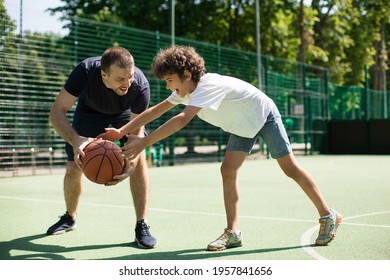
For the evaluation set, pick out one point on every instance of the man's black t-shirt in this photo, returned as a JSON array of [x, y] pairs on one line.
[[85, 82]]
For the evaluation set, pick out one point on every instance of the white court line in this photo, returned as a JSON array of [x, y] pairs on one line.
[[204, 213], [305, 243]]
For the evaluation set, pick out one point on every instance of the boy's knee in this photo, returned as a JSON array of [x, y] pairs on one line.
[[292, 172], [227, 170]]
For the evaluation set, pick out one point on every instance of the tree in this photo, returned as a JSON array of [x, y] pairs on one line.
[[338, 34], [376, 13]]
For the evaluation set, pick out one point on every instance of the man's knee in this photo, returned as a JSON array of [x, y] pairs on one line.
[[72, 169]]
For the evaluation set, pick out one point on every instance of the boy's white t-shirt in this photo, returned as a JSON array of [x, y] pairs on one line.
[[234, 105]]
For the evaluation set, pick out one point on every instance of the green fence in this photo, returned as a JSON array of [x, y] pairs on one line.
[[34, 67], [357, 103]]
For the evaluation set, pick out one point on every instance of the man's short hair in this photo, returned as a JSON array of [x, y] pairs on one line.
[[118, 56]]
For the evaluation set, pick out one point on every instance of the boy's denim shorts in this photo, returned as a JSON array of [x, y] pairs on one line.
[[273, 133]]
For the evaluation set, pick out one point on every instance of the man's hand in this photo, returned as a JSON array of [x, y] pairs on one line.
[[78, 148], [129, 169]]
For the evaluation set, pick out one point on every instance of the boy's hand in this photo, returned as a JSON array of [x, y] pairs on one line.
[[134, 146], [111, 134]]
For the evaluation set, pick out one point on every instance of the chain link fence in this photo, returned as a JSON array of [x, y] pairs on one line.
[[35, 66]]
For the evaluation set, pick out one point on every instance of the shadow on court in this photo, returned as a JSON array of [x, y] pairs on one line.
[[43, 251], [55, 252], [198, 254]]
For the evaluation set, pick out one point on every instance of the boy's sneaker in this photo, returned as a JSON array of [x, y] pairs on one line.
[[328, 228], [143, 237], [66, 223], [228, 239]]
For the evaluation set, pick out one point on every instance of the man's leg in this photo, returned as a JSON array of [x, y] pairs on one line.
[[139, 186], [72, 187], [72, 192]]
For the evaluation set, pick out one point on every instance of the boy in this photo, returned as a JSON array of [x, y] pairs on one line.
[[238, 108]]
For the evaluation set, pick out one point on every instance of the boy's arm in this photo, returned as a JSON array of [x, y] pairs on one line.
[[136, 144], [139, 121], [172, 125]]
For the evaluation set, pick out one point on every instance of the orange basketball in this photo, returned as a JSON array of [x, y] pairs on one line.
[[102, 161]]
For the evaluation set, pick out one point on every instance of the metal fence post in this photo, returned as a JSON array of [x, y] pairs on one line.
[[14, 162], [33, 161], [51, 153], [76, 41], [366, 97]]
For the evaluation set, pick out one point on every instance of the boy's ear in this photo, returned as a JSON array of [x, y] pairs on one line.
[[187, 75]]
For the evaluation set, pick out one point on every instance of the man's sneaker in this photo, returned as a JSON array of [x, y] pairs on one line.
[[328, 228], [143, 237], [66, 223], [228, 239]]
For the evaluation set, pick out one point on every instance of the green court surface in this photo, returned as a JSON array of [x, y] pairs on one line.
[[187, 212]]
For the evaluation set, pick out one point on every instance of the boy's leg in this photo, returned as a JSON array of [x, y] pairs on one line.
[[292, 169], [275, 135], [232, 236], [330, 218], [229, 170]]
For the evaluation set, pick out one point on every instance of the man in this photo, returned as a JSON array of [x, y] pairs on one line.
[[109, 90]]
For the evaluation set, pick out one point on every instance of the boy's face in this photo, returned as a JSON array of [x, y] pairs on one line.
[[118, 79], [181, 86]]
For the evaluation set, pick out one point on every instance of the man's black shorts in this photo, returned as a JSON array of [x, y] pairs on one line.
[[90, 123]]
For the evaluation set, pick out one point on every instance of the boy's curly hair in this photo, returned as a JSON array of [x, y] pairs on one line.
[[176, 59]]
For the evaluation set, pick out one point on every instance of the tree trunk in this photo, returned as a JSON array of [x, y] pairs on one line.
[[302, 33]]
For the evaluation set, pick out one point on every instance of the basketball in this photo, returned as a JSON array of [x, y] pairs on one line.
[[102, 161]]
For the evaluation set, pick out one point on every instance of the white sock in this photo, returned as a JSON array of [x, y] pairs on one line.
[[327, 216], [238, 232]]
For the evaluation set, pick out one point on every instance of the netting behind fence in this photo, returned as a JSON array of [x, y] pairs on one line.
[[34, 67]]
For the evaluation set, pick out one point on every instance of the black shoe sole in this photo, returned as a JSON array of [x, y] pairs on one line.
[[61, 231], [144, 246]]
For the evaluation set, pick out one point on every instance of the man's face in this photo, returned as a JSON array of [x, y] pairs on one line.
[[118, 79]]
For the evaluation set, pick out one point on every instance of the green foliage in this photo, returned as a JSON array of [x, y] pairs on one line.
[[339, 34]]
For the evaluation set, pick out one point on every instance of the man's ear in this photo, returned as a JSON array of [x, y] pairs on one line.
[[104, 75]]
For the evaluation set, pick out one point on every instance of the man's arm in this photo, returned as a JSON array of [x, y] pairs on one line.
[[62, 126], [58, 118]]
